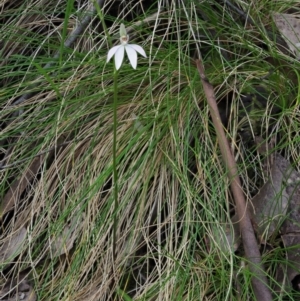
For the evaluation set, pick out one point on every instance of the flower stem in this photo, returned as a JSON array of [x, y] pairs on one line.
[[115, 126], [115, 171]]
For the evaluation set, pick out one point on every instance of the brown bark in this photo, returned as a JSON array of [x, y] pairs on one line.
[[259, 279]]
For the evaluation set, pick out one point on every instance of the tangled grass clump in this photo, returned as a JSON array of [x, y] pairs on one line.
[[56, 172]]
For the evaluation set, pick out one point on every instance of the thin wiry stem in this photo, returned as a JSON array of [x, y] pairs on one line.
[[115, 126], [115, 171]]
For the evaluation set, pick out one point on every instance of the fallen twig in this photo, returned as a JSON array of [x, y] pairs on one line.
[[259, 279], [13, 195]]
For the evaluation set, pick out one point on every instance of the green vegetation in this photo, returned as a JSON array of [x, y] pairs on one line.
[[174, 201]]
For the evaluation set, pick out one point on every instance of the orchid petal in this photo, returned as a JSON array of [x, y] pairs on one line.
[[119, 56], [132, 55], [111, 53], [139, 49], [131, 50]]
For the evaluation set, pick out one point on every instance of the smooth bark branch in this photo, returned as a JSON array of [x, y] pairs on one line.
[[259, 279]]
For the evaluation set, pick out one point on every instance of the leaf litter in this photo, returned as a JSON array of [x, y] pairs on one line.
[[276, 209], [12, 245], [18, 290], [289, 27], [63, 243]]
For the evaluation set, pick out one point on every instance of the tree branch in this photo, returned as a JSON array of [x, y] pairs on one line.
[[259, 279]]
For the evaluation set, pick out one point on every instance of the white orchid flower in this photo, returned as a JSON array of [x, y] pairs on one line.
[[131, 50]]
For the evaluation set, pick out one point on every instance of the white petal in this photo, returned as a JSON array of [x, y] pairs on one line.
[[111, 53], [132, 55], [119, 56], [139, 49]]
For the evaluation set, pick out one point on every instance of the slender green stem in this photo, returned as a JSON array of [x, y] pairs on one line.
[[115, 126], [115, 171]]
